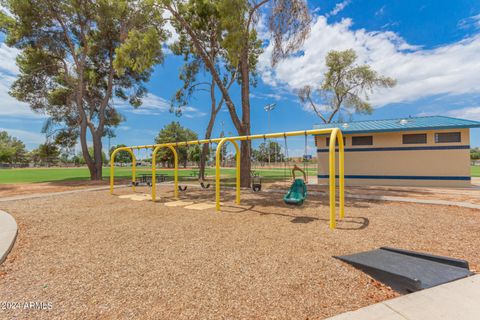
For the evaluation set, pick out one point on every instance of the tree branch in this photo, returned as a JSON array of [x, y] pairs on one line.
[[309, 98], [108, 94], [211, 66], [252, 12], [65, 34], [232, 80]]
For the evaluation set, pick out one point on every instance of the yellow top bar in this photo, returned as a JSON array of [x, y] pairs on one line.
[[238, 138]]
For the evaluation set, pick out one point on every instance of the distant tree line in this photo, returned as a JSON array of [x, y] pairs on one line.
[[475, 153], [12, 150], [14, 153]]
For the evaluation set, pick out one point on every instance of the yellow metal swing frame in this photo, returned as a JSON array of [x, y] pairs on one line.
[[335, 135]]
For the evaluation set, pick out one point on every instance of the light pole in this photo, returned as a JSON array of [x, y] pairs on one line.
[[268, 108]]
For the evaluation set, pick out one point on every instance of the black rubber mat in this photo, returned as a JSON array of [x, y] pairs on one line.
[[408, 271]]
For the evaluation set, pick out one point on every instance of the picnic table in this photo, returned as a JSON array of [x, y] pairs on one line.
[[147, 178]]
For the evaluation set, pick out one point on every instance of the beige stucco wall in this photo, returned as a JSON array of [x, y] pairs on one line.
[[423, 163]]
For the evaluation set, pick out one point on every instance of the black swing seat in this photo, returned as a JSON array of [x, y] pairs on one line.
[[204, 186], [256, 182], [184, 188], [256, 187]]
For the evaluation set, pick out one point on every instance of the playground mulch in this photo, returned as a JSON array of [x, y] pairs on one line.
[[18, 189], [92, 255]]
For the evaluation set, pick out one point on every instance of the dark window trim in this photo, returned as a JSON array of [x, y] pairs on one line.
[[414, 134], [327, 141], [362, 144], [450, 133]]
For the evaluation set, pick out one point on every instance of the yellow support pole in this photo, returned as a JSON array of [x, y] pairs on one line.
[[134, 168], [112, 167], [154, 170], [237, 150], [217, 171], [154, 173], [217, 174], [341, 173], [175, 172], [331, 178], [112, 170]]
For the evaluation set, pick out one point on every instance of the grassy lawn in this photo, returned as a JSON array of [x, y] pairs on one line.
[[475, 171], [32, 175]]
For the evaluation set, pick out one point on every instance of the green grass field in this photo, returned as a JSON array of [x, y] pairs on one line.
[[30, 175], [33, 175], [475, 170]]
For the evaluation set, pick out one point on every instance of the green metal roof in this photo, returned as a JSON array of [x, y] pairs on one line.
[[402, 124]]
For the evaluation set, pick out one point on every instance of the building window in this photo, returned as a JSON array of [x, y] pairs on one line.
[[362, 141], [446, 137], [336, 142], [417, 138]]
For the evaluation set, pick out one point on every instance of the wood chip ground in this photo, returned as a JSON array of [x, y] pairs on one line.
[[96, 256]]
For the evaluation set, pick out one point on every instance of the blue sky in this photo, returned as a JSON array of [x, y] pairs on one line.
[[431, 47]]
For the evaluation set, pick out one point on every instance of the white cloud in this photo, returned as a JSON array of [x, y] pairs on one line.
[[168, 26], [470, 113], [339, 7], [322, 108], [267, 96], [470, 22], [28, 137], [154, 105], [8, 59], [9, 106], [380, 11], [451, 69], [192, 112]]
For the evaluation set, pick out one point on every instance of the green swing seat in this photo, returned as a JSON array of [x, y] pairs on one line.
[[297, 193]]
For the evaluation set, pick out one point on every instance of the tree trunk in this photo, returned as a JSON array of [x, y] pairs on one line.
[[203, 160], [208, 134], [245, 164], [97, 156], [242, 127], [88, 159], [245, 161]]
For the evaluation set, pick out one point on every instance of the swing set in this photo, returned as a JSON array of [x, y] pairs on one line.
[[297, 192], [203, 183]]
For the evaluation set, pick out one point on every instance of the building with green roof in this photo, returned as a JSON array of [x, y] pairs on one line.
[[414, 151]]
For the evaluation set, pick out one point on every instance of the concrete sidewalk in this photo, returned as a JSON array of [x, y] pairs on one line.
[[8, 233], [452, 301]]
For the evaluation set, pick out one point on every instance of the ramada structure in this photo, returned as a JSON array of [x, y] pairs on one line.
[[415, 151]]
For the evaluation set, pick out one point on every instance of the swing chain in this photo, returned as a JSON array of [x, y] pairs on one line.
[[305, 157], [286, 158]]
